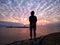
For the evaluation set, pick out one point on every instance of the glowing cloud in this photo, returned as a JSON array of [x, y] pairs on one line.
[[19, 10]]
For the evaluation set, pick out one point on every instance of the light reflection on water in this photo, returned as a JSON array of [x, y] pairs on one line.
[[8, 35]]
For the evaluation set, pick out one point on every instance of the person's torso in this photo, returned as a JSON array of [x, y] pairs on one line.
[[32, 20]]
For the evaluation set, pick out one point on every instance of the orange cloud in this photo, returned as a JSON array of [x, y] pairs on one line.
[[43, 22], [25, 21]]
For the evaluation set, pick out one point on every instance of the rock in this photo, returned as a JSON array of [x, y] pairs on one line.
[[51, 39]]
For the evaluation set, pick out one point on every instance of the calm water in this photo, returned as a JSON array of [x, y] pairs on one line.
[[8, 35]]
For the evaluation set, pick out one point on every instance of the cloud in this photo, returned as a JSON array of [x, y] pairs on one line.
[[3, 1], [17, 9]]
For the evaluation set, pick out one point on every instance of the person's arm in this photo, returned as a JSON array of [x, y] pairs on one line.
[[36, 19]]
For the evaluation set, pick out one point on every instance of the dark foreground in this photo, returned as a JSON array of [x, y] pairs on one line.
[[51, 39]]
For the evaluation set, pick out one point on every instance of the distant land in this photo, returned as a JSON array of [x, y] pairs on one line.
[[12, 25], [57, 24], [20, 25]]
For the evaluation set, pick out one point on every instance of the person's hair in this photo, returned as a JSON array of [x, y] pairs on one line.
[[32, 12]]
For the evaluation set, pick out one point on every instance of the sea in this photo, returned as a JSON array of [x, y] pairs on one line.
[[9, 35]]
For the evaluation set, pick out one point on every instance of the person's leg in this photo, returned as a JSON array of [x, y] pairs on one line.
[[34, 32], [30, 32]]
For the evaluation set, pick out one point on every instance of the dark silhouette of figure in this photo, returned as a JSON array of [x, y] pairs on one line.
[[32, 20]]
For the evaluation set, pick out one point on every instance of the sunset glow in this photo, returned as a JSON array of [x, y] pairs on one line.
[[47, 11], [43, 22]]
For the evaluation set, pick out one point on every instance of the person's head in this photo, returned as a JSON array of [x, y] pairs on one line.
[[32, 13]]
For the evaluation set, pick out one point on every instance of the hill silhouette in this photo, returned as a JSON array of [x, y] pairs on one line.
[[51, 39], [57, 24], [10, 24]]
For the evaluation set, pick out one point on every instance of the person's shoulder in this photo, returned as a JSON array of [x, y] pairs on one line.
[[30, 17], [34, 16]]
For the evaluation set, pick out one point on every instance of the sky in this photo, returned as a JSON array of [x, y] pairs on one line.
[[47, 11]]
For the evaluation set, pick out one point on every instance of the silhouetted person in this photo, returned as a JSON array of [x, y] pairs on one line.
[[32, 20]]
